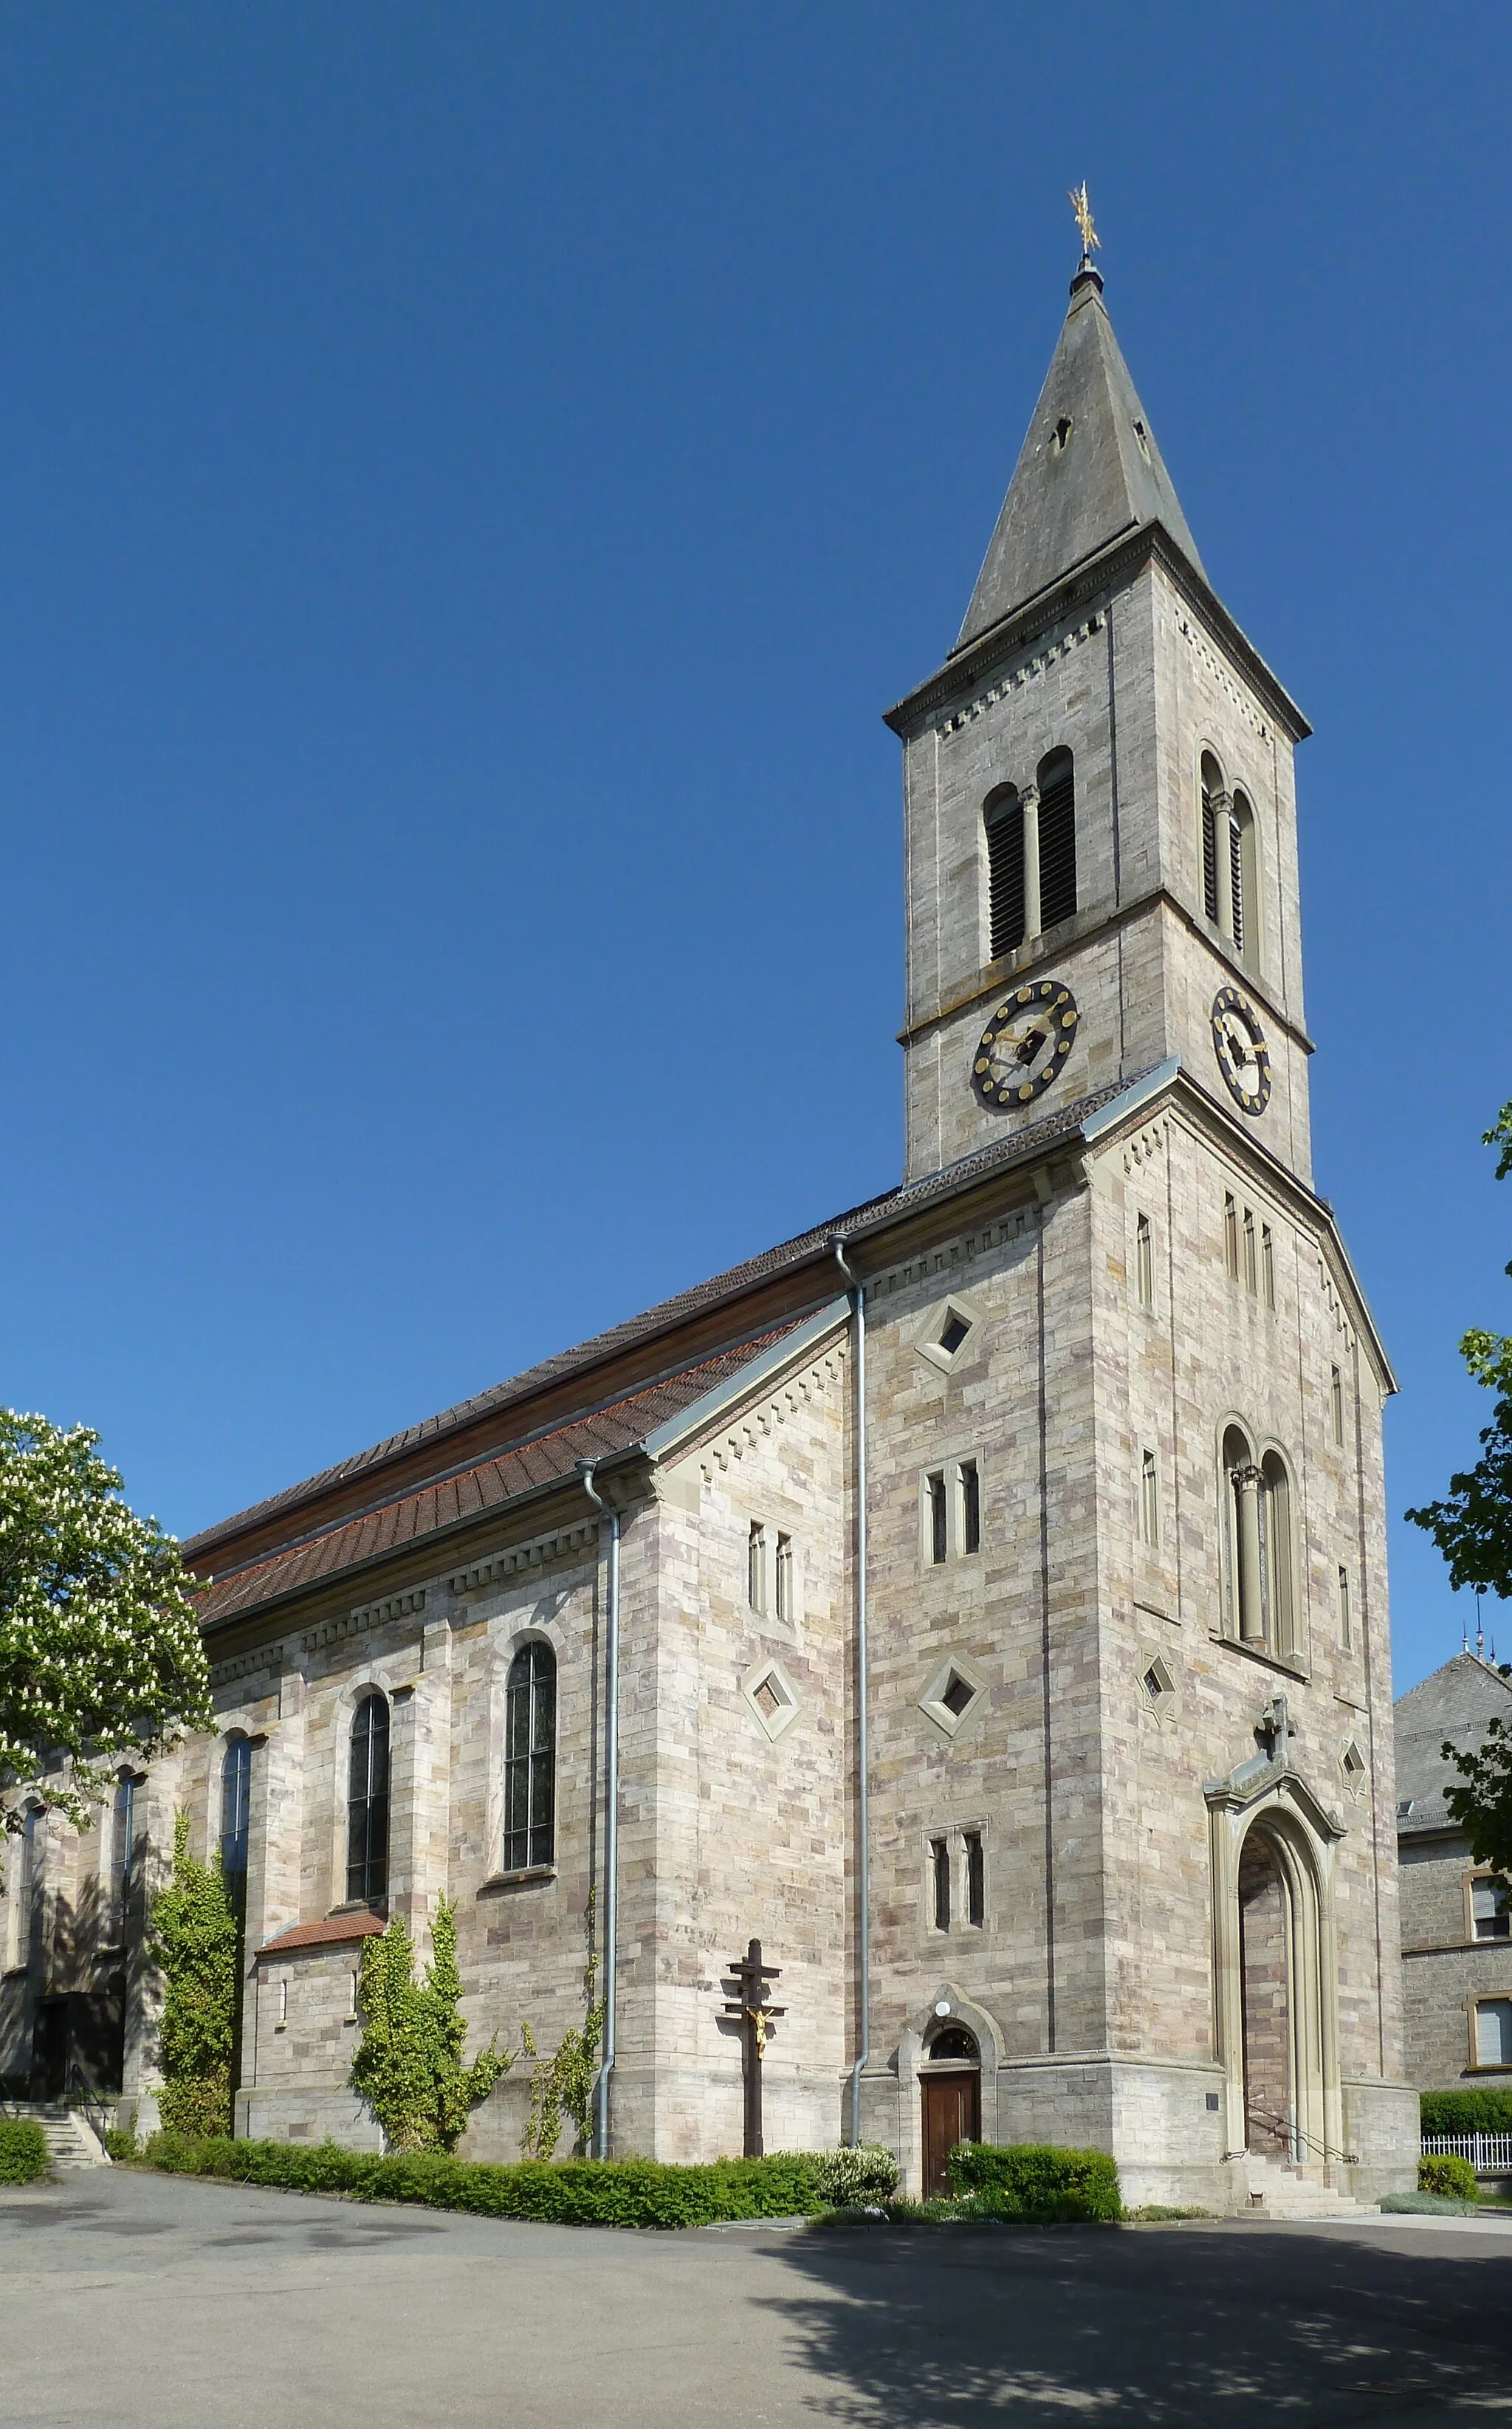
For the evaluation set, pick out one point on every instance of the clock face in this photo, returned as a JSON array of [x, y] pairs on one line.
[[1025, 1044], [1238, 1042]]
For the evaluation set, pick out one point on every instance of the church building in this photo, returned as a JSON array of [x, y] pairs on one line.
[[980, 1599]]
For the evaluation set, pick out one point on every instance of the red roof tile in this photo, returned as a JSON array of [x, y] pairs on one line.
[[329, 1933]]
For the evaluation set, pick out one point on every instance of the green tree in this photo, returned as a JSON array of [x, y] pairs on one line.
[[100, 1649], [196, 1941], [1472, 1529], [408, 2064]]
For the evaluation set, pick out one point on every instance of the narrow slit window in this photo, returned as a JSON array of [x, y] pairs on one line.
[[1336, 1402], [939, 1542], [1346, 1625], [1230, 1235], [125, 1839], [1058, 838], [970, 1507], [784, 1579], [283, 2000], [756, 1566], [1149, 1500], [1005, 872], [1251, 1271], [1145, 1262], [1267, 1265], [976, 1882], [940, 1869]]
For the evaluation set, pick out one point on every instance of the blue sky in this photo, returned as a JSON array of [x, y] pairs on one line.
[[471, 480]]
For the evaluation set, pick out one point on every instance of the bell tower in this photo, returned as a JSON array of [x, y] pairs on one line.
[[1099, 802]]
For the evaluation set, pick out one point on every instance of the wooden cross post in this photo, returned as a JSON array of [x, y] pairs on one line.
[[751, 2004]]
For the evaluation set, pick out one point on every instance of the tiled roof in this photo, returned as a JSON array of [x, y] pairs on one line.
[[1455, 1702], [1018, 1146], [534, 1459], [328, 1934]]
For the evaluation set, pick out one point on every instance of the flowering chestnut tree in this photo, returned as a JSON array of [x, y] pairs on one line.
[[100, 1649]]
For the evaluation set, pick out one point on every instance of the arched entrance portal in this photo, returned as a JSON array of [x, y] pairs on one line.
[[950, 2090], [1264, 1959]]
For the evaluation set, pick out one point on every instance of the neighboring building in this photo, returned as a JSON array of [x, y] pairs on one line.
[[1457, 1934], [1058, 1467]]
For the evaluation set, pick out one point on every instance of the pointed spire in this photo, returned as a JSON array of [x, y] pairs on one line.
[[1089, 468]]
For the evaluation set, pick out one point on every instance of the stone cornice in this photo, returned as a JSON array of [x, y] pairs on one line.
[[1070, 597], [1080, 931]]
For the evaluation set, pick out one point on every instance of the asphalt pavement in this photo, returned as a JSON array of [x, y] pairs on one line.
[[130, 2301]]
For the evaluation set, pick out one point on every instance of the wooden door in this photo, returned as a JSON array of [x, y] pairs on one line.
[[952, 2114]]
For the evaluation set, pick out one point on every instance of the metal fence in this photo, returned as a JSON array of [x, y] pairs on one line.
[[1490, 2155]]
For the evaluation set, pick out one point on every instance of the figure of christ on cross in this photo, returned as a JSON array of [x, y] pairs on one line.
[[755, 2012]]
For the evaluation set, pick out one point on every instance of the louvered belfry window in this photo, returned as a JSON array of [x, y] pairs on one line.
[[530, 1758], [1236, 855], [1058, 838], [1004, 872], [367, 1800], [1209, 842]]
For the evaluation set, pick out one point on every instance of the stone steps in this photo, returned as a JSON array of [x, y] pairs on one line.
[[72, 2140], [1279, 2192]]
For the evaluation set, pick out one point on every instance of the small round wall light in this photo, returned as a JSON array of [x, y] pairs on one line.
[[942, 2007]]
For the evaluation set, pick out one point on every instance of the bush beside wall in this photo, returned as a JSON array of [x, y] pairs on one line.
[[24, 2154], [1466, 2112], [1447, 2175], [620, 2192], [1034, 2180]]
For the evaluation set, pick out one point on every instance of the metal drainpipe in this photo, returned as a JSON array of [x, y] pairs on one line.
[[611, 1902], [862, 1814]]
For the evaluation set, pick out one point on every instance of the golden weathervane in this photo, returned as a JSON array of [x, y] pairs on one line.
[[1091, 240]]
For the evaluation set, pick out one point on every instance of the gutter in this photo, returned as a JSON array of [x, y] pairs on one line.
[[611, 1900], [863, 2004]]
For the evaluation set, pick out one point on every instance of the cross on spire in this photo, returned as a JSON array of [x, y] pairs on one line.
[[1081, 210]]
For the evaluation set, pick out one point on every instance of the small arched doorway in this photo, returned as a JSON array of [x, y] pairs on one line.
[[950, 2091], [1265, 1927]]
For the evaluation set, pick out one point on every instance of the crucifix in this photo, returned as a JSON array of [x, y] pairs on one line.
[[751, 2004]]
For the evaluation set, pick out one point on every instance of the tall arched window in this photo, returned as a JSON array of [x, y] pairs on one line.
[[124, 1849], [1055, 779], [235, 1798], [1004, 870], [1212, 786], [1241, 875], [367, 1800], [1243, 1589], [530, 1758], [1259, 1555], [1278, 1554]]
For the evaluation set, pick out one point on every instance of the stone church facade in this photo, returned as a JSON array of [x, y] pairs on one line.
[[980, 1598]]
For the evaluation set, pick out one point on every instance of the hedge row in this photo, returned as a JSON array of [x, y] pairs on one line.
[[585, 2192], [1035, 2181], [1466, 2112], [1029, 2181], [23, 2153]]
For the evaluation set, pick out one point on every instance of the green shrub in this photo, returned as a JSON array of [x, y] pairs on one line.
[[1466, 2112], [580, 2192], [850, 2178], [23, 2153], [120, 2142], [1447, 2175], [1033, 2180], [198, 2106]]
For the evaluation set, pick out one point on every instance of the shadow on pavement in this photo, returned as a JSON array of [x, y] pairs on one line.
[[1242, 2324]]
